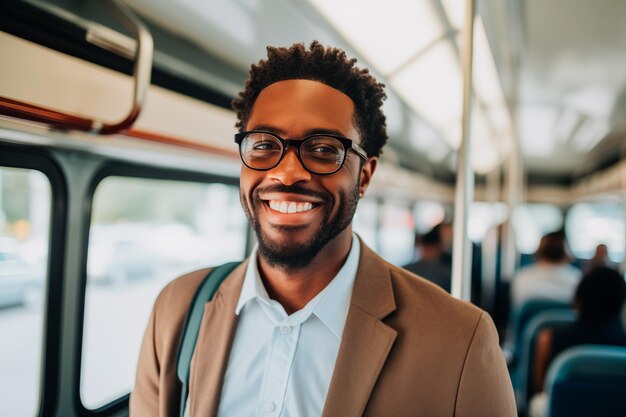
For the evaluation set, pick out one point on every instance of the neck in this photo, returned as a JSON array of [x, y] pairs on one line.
[[293, 289]]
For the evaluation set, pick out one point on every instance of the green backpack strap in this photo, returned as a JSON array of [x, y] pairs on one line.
[[192, 325]]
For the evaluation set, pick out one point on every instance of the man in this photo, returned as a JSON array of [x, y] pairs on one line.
[[430, 263], [314, 323]]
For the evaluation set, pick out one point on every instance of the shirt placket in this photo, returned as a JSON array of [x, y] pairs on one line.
[[281, 354]]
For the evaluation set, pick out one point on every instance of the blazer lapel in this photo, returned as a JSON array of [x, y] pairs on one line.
[[214, 341], [366, 340]]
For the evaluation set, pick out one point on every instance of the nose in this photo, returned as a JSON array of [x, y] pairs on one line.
[[289, 171]]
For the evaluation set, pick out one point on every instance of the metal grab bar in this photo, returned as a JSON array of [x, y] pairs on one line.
[[142, 69], [464, 192]]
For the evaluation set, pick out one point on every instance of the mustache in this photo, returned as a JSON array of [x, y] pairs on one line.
[[293, 189]]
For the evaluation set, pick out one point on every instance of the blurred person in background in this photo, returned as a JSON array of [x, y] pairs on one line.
[[445, 233], [430, 263], [600, 258], [551, 277]]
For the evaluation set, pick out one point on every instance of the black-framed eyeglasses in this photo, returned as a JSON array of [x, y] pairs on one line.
[[321, 154]]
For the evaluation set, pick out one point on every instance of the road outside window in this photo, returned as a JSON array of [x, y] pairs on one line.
[[24, 225]]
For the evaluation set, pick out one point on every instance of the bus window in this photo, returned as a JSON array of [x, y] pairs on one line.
[[25, 207], [365, 222], [144, 233], [482, 217], [428, 214], [531, 222], [397, 236], [590, 224]]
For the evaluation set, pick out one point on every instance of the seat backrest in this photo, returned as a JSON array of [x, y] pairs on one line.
[[526, 312], [524, 374], [588, 380]]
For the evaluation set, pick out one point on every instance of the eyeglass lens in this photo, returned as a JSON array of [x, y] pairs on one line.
[[319, 154]]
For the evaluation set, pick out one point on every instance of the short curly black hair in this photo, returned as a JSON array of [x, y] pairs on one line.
[[327, 65]]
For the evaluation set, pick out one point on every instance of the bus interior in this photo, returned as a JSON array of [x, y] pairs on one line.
[[118, 171]]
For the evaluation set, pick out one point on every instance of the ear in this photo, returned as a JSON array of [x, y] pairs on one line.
[[367, 171]]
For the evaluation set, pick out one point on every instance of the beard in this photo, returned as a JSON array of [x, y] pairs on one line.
[[292, 256]]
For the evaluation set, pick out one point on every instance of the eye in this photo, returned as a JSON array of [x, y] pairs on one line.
[[265, 145], [324, 149]]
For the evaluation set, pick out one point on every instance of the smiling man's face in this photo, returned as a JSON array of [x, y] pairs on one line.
[[296, 213]]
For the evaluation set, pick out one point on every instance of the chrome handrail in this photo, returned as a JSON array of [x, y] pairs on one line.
[[141, 51], [142, 66]]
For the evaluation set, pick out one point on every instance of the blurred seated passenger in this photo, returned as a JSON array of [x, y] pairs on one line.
[[445, 234], [550, 278], [599, 300], [430, 264], [600, 258]]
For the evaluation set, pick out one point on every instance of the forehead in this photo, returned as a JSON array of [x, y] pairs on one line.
[[295, 107]]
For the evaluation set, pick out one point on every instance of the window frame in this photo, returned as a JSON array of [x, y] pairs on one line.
[[24, 157], [136, 171]]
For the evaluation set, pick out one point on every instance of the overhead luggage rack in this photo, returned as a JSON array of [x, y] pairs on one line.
[[141, 52]]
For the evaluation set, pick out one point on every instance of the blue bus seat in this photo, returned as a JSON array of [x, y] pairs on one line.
[[522, 317], [588, 380], [524, 372]]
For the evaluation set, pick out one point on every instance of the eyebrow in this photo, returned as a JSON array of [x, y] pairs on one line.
[[314, 131]]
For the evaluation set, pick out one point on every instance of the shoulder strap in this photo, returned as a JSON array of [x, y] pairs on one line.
[[192, 324]]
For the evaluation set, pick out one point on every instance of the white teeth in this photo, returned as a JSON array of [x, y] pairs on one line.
[[290, 206], [302, 207]]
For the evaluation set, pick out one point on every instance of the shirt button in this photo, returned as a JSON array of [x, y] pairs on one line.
[[270, 407], [285, 329]]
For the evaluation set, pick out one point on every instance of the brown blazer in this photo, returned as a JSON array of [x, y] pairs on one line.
[[408, 349]]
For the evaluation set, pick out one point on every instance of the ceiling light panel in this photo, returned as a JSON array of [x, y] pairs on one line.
[[485, 155], [596, 101], [388, 34], [452, 134], [393, 109], [538, 122], [438, 152], [566, 124], [486, 80], [432, 86], [499, 118], [589, 134], [421, 135]]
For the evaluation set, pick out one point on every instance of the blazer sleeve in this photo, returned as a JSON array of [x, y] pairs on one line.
[[485, 388], [157, 388], [144, 400]]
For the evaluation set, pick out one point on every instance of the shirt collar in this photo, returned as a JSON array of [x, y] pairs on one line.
[[333, 308], [252, 285], [330, 306]]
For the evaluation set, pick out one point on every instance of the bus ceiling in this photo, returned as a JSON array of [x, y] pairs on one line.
[[547, 100]]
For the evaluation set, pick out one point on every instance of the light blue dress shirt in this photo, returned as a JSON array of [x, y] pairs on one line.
[[279, 364]]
